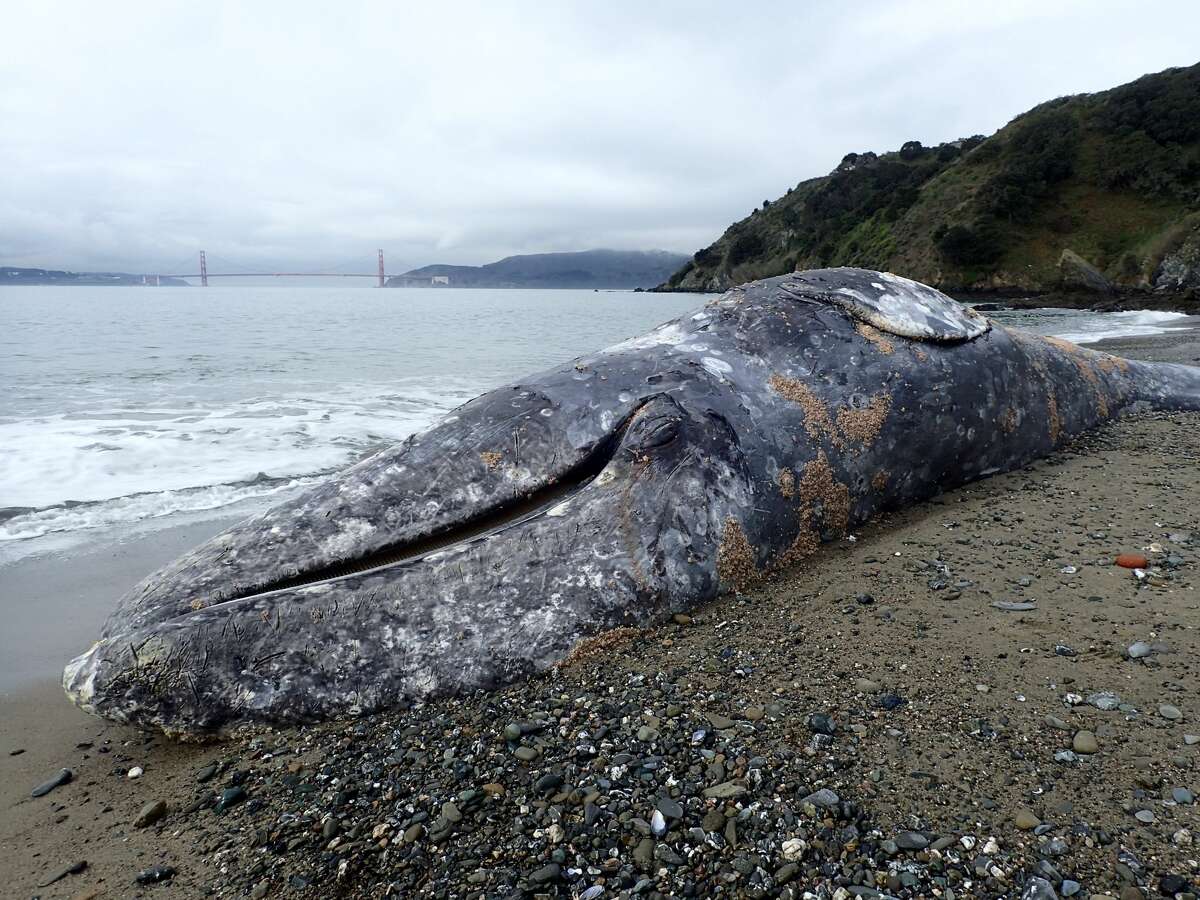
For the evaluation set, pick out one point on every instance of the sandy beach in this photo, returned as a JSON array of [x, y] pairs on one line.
[[977, 744]]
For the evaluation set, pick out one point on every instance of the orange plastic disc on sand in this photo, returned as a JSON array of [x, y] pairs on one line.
[[1132, 561]]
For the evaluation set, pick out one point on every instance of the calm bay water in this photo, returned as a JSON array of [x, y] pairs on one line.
[[126, 404]]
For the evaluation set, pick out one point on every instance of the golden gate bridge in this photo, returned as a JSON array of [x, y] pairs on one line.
[[204, 274]]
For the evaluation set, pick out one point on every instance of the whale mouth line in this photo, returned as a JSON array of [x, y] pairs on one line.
[[499, 518]]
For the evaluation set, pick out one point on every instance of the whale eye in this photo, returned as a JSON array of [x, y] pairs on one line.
[[656, 434]]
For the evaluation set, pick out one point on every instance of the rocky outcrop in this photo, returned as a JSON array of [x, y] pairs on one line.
[[1077, 274], [1180, 268]]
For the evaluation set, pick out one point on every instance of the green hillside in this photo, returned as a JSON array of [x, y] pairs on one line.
[[1096, 192]]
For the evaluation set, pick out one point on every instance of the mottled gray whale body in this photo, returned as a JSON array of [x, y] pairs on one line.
[[613, 491]]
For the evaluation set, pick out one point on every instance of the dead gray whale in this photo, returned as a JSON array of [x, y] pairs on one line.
[[613, 491]]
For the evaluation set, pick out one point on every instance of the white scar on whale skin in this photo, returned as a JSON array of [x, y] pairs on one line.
[[671, 333]]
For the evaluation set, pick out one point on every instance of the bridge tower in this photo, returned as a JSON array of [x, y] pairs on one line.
[[382, 277], [203, 270]]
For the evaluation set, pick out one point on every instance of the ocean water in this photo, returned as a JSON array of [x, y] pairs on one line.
[[142, 405]]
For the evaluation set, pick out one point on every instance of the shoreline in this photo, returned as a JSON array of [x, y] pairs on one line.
[[947, 718]]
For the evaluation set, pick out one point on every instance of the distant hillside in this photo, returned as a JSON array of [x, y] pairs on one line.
[[622, 269], [1091, 193], [12, 276]]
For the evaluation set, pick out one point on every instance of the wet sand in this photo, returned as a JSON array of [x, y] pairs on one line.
[[970, 749]]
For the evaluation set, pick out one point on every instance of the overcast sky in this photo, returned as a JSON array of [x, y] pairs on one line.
[[292, 133]]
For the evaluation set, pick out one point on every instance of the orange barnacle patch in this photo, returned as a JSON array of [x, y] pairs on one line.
[[1053, 422], [591, 649], [1008, 420], [736, 561], [875, 336], [864, 425], [880, 479], [491, 458], [817, 421], [851, 425], [787, 483], [820, 490]]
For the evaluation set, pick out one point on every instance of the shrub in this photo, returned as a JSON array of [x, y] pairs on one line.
[[976, 245], [745, 246]]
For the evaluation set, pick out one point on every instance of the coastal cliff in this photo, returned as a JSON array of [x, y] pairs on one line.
[[1092, 196]]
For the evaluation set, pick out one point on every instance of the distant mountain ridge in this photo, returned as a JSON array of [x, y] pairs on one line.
[[11, 275], [612, 269], [1094, 194]]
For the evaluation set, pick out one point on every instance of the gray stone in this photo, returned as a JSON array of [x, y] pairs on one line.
[[1025, 820], [911, 840], [1139, 650], [1172, 713], [1038, 889], [724, 791], [670, 808], [643, 854], [822, 798], [150, 813], [719, 721], [1085, 742]]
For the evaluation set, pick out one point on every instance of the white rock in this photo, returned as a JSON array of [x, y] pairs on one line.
[[135, 772], [793, 849]]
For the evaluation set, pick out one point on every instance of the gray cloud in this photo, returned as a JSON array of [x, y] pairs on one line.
[[291, 133]]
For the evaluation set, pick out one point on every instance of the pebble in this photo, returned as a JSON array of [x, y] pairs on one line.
[[1144, 816], [1025, 820], [64, 776], [229, 798], [73, 869], [1014, 605], [1139, 650], [207, 773], [719, 721], [150, 813], [911, 840], [822, 798], [547, 874], [724, 791], [1085, 742], [822, 724], [135, 772], [525, 754], [1172, 713], [1182, 795], [260, 890], [670, 808], [1038, 889], [155, 874]]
